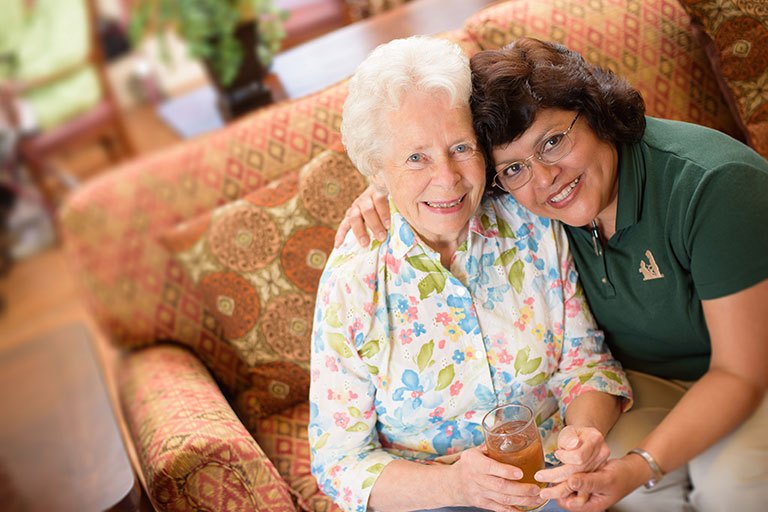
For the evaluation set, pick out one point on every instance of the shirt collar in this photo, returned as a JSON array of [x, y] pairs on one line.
[[631, 176], [403, 238]]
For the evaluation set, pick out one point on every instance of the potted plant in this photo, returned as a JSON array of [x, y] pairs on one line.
[[235, 39]]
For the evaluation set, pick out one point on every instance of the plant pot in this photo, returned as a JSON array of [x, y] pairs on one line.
[[247, 91]]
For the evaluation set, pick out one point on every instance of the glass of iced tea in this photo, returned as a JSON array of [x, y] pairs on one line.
[[512, 437]]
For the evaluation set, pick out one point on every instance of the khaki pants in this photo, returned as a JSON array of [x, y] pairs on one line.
[[732, 475]]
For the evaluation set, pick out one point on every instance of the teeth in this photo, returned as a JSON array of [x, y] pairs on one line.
[[567, 190], [444, 205]]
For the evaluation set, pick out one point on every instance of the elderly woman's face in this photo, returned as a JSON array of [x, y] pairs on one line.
[[580, 186], [432, 168]]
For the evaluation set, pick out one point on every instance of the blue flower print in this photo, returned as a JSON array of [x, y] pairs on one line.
[[412, 392], [448, 431], [469, 323], [458, 356], [406, 234], [418, 329], [495, 295]]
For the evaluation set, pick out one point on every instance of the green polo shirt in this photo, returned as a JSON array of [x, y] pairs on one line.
[[692, 224]]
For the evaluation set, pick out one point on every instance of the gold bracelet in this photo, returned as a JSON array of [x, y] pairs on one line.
[[657, 474]]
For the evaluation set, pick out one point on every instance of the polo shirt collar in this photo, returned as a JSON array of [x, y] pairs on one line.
[[631, 176], [404, 238]]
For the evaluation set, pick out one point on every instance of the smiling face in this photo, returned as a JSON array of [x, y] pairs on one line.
[[432, 168], [575, 190]]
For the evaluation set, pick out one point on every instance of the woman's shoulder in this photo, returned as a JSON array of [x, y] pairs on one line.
[[504, 213]]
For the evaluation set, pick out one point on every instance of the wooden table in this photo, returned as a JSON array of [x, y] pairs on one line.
[[326, 60], [60, 445]]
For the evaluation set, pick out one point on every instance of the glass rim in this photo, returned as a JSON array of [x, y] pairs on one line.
[[530, 419]]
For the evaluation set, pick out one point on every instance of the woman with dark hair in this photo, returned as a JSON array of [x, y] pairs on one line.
[[664, 220]]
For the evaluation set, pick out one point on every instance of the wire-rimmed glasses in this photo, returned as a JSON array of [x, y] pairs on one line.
[[549, 150]]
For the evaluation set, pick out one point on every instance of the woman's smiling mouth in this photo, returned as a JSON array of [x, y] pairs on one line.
[[445, 205], [565, 192]]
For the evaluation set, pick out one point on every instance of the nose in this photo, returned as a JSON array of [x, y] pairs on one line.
[[544, 175], [446, 173]]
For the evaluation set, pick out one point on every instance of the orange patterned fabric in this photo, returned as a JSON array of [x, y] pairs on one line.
[[194, 452], [110, 226], [257, 261], [736, 35], [283, 437], [649, 42]]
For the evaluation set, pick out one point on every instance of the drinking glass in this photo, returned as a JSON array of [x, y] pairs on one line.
[[512, 438]]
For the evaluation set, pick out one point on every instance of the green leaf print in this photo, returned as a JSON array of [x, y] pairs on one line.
[[358, 427], [485, 221], [506, 257], [585, 377], [425, 355], [321, 441], [336, 341], [444, 378], [504, 230], [538, 379], [523, 365], [374, 370], [355, 412], [370, 349], [332, 315], [376, 468], [434, 282], [613, 376], [516, 275], [424, 263], [368, 482]]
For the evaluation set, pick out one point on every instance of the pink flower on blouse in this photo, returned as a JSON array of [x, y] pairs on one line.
[[456, 387]]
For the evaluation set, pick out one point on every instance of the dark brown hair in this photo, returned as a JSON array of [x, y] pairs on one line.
[[510, 85]]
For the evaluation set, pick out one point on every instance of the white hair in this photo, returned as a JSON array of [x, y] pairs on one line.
[[380, 83]]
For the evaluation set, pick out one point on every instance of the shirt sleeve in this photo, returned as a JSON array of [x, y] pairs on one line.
[[725, 228], [586, 363], [347, 456]]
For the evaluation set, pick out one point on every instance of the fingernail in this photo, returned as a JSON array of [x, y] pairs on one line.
[[575, 483], [382, 236], [364, 240]]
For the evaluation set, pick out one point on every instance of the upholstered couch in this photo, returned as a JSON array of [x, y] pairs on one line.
[[201, 262]]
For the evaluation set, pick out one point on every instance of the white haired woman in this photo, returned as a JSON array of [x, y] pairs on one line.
[[469, 303]]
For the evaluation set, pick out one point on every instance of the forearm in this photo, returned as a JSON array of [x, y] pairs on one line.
[[406, 485], [594, 409], [712, 408]]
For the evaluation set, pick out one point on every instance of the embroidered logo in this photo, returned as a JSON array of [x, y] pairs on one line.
[[650, 270]]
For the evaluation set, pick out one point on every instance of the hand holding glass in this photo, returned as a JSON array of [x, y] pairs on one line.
[[512, 438]]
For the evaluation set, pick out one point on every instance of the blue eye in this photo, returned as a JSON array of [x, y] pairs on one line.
[[461, 148], [414, 158]]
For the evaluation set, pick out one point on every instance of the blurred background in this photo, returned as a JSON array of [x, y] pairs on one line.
[[86, 85]]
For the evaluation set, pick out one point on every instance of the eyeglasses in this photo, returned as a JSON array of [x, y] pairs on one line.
[[550, 150]]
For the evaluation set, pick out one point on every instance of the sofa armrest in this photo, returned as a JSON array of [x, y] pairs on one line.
[[194, 452]]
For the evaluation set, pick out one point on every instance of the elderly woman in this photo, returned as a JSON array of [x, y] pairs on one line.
[[469, 303], [666, 224]]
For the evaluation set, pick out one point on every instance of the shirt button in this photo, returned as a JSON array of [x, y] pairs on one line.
[[462, 291], [604, 280]]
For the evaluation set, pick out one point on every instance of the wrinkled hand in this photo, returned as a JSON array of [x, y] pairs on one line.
[[580, 450], [370, 209], [598, 490], [485, 483]]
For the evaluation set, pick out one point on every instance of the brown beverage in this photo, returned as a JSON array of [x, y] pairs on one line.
[[511, 443]]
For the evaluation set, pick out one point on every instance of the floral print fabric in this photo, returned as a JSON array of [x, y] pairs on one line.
[[407, 356]]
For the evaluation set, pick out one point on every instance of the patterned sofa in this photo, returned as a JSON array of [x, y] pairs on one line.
[[200, 262]]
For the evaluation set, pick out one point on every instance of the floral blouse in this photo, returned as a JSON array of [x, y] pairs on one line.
[[407, 356]]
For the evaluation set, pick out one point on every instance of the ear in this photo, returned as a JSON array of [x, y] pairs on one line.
[[379, 182]]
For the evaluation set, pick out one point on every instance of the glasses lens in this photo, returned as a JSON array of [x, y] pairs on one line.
[[513, 182], [554, 148]]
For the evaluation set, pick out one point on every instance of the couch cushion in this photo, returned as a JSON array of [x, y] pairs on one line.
[[735, 36], [256, 263], [650, 43], [110, 225], [283, 437]]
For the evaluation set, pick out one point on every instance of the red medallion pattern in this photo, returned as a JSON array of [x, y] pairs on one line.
[[232, 300], [735, 33], [304, 255], [244, 238]]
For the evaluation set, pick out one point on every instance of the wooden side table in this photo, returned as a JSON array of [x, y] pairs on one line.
[[60, 445]]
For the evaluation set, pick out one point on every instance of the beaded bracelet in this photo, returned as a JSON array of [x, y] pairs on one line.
[[657, 474]]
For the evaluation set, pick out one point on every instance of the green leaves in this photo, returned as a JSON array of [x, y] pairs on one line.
[[445, 377], [516, 271], [425, 355], [435, 279], [338, 344], [523, 365]]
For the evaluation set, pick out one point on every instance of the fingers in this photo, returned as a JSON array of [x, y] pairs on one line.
[[374, 217]]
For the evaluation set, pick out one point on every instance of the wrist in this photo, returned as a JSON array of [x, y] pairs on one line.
[[651, 471]]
